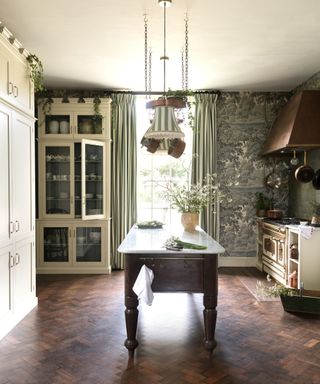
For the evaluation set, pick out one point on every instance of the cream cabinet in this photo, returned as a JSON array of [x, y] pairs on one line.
[[17, 283], [74, 188], [73, 179], [17, 176], [303, 259], [16, 86], [73, 246], [75, 120], [17, 212]]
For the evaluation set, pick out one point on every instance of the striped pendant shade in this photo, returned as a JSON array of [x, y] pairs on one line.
[[164, 125]]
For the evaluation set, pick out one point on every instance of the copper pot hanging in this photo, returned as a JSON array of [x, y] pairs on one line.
[[304, 173]]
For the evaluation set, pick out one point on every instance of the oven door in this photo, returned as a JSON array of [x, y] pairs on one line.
[[270, 245]]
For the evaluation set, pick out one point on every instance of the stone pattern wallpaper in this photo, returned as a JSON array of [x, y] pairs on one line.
[[243, 122]]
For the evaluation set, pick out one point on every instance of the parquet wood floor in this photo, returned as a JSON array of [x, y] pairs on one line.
[[76, 336]]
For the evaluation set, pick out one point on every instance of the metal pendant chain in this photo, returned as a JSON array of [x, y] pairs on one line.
[[150, 70], [186, 52], [145, 52], [182, 70]]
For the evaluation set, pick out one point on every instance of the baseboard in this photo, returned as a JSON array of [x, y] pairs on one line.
[[229, 261]]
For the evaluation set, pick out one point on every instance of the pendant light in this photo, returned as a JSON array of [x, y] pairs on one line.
[[164, 130]]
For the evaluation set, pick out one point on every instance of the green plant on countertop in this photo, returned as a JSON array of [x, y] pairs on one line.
[[36, 72], [174, 243]]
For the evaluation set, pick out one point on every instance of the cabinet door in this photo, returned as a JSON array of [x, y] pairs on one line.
[[90, 244], [24, 275], [5, 228], [22, 85], [93, 180], [56, 124], [22, 171], [54, 248], [6, 263], [5, 87], [56, 180], [89, 125]]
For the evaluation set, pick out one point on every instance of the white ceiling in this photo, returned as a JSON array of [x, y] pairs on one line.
[[233, 44]]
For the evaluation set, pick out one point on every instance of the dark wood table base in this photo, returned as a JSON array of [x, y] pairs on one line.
[[193, 273]]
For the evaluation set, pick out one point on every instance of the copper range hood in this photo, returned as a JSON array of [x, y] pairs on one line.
[[297, 126]]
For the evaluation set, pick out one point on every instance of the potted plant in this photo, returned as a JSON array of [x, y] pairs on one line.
[[262, 204], [315, 219], [190, 199], [293, 300]]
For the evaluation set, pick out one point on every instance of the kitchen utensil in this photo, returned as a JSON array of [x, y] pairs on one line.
[[273, 180], [304, 173], [274, 213], [316, 180], [294, 161]]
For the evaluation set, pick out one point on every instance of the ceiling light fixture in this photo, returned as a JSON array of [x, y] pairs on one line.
[[164, 126]]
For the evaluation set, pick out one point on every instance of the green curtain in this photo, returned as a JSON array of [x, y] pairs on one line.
[[204, 159], [123, 172]]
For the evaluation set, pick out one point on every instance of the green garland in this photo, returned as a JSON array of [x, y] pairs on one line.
[[36, 72]]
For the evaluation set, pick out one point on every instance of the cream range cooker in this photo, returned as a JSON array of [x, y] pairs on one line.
[[286, 255]]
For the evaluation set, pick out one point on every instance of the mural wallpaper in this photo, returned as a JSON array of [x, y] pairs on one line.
[[243, 122]]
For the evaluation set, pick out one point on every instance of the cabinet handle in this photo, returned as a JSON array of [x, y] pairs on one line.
[[17, 259], [15, 91], [10, 88], [17, 226], [11, 227], [11, 262]]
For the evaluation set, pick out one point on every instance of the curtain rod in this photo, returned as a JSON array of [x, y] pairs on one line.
[[155, 93]]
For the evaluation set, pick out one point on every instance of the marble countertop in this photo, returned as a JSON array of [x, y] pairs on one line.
[[152, 240]]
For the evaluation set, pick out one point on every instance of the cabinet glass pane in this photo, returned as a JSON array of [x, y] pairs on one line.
[[88, 244], [57, 124], [89, 124], [57, 180], [77, 179], [94, 179], [55, 244]]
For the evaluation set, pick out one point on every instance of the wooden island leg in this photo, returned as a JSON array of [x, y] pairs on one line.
[[131, 316], [210, 300]]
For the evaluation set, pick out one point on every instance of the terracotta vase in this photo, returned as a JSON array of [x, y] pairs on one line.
[[189, 221]]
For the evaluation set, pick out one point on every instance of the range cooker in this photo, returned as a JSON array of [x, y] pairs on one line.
[[274, 237]]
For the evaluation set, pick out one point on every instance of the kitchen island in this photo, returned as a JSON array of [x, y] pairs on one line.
[[187, 270]]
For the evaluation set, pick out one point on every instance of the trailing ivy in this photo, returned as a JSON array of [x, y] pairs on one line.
[[36, 72]]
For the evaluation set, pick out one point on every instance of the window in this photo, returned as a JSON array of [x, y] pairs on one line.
[[155, 171]]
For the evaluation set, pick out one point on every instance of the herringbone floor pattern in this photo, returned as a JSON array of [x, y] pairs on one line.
[[76, 336]]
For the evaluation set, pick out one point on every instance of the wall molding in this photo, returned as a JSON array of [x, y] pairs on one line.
[[228, 261]]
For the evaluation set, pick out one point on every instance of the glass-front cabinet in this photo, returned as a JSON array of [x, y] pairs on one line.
[[74, 118], [72, 180], [73, 227], [68, 247]]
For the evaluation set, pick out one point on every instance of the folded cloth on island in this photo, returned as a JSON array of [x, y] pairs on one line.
[[306, 231], [142, 285]]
